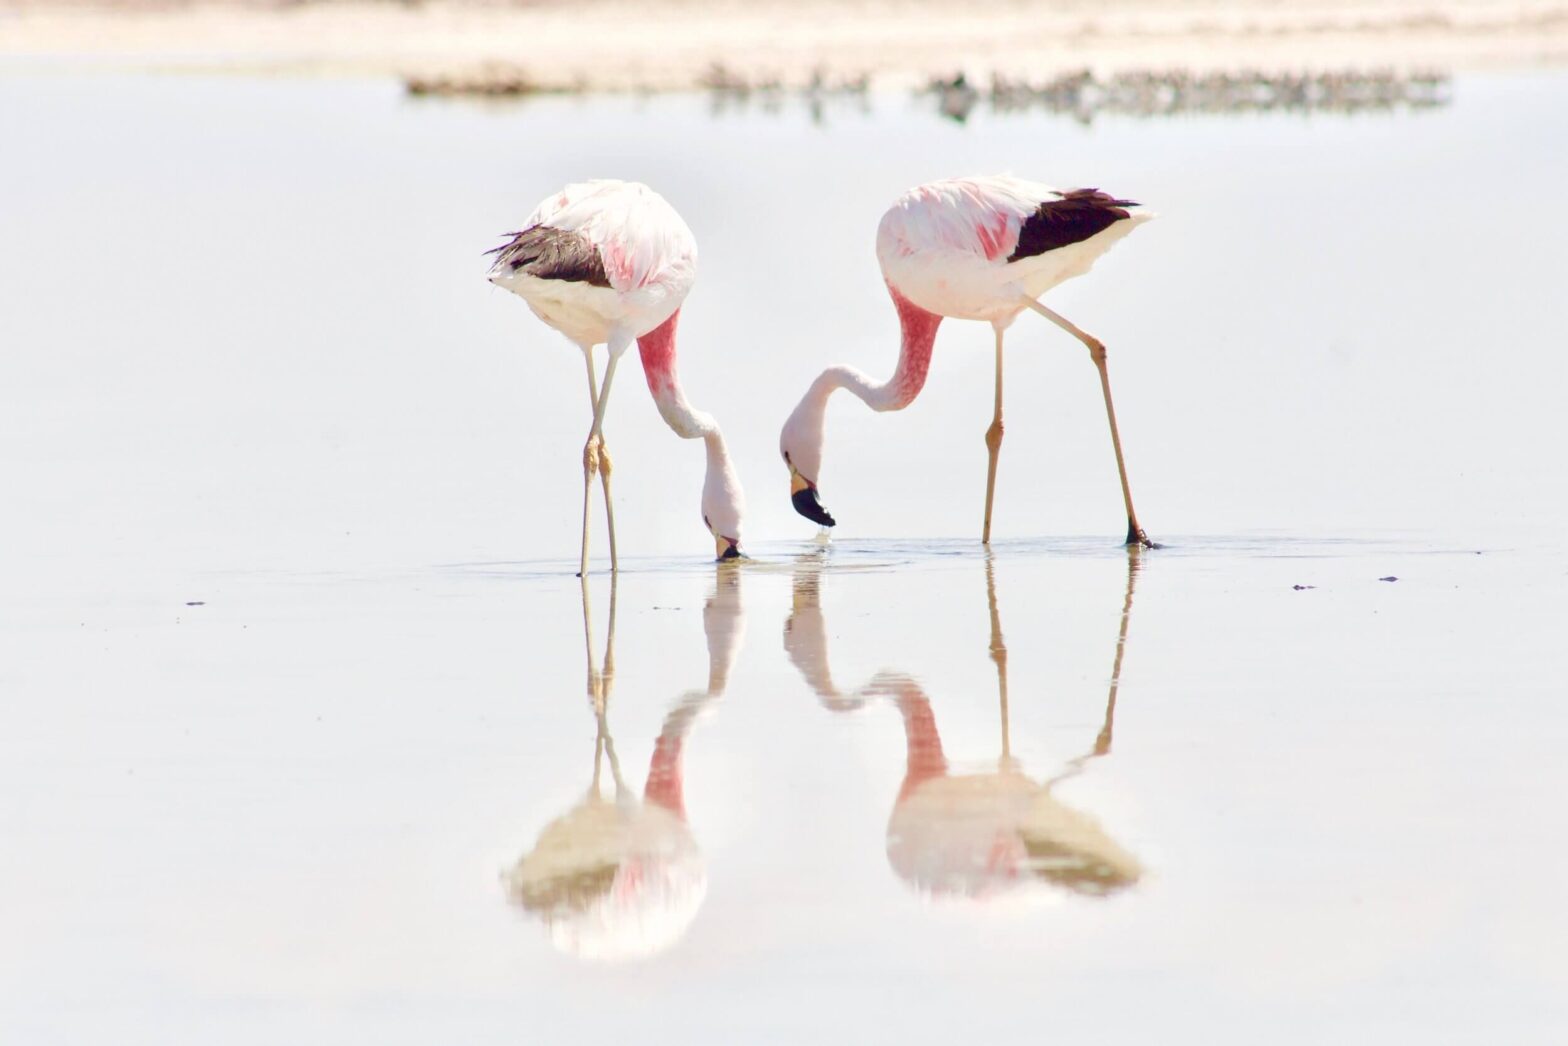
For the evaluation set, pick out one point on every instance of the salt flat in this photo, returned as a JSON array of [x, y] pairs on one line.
[[672, 44]]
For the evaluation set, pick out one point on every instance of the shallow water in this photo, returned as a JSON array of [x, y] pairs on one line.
[[250, 364]]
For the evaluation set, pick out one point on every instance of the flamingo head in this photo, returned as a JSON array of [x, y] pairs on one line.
[[801, 445]]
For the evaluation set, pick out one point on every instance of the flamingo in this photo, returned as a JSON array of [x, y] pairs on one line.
[[982, 248], [610, 262]]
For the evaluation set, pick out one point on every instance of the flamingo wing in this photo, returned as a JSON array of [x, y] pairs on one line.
[[1071, 217], [975, 218], [635, 234], [548, 253]]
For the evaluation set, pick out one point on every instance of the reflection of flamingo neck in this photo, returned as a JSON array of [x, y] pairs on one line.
[[664, 774], [924, 758]]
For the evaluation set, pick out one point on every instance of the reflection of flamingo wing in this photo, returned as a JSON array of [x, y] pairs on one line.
[[1068, 848], [613, 880], [980, 835]]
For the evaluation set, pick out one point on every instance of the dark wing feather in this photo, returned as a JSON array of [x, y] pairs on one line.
[[1072, 218], [553, 254]]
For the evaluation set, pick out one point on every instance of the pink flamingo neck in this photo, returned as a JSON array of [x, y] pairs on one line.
[[918, 334], [657, 349], [918, 330], [804, 430]]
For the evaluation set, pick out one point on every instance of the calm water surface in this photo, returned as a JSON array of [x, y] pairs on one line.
[[311, 735]]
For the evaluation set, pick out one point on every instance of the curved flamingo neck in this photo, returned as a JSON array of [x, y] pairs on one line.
[[918, 330], [657, 349], [803, 432]]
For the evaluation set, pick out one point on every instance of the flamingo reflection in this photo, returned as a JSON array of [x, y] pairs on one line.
[[974, 835], [618, 876]]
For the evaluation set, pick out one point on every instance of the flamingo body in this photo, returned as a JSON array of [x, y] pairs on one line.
[[953, 247], [600, 258]]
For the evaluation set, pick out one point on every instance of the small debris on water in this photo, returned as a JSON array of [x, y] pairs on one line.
[[1390, 577]]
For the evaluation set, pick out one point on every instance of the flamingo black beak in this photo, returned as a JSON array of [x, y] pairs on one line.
[[803, 495], [727, 548]]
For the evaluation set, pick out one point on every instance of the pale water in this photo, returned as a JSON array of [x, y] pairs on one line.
[[298, 725]]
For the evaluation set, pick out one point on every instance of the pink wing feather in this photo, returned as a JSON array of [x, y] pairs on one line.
[[639, 236], [980, 217]]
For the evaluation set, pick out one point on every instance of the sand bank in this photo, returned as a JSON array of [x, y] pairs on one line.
[[664, 45]]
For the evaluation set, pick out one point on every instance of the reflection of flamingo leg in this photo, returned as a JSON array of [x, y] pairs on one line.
[[1102, 744], [598, 753], [599, 684], [998, 652], [607, 673], [593, 680]]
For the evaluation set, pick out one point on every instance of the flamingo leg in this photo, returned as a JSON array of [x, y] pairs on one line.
[[993, 444], [590, 465], [609, 506], [1135, 533], [596, 442], [601, 459]]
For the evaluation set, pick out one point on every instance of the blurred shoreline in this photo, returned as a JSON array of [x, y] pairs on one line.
[[661, 45]]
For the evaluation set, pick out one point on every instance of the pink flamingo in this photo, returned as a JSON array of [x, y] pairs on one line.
[[610, 262], [975, 249]]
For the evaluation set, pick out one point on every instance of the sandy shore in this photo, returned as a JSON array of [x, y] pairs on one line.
[[616, 45]]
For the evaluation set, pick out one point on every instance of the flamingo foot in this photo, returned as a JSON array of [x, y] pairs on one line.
[[1136, 538]]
